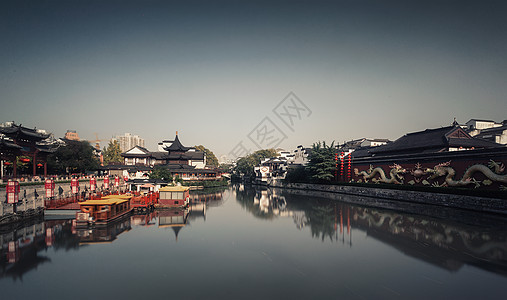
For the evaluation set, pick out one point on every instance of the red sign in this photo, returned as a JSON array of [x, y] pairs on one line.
[[74, 183], [50, 188], [12, 192], [49, 184], [93, 184], [116, 181]]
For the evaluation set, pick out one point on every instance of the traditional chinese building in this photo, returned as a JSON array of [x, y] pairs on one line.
[[33, 145], [182, 161], [450, 138], [442, 157]]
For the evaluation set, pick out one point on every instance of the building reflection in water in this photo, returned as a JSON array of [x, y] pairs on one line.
[[21, 245], [475, 240], [178, 218], [106, 234]]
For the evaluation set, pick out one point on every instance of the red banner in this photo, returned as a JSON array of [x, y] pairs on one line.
[[50, 188], [93, 184], [106, 183], [12, 190], [12, 187], [74, 184]]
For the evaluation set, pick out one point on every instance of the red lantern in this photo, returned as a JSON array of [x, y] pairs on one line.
[[25, 160], [39, 165], [7, 163]]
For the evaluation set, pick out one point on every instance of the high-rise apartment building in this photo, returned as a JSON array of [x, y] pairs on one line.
[[128, 141]]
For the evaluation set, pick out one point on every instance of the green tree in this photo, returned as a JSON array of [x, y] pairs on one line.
[[112, 153], [321, 165], [245, 165], [211, 159], [160, 172], [74, 157], [297, 174], [225, 168]]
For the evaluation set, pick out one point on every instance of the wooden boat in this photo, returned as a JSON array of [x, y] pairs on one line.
[[173, 196], [103, 211]]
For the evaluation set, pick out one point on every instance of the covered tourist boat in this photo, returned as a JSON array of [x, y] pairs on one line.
[[104, 210], [173, 196]]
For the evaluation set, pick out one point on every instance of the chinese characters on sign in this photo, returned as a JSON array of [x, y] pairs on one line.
[[267, 134]]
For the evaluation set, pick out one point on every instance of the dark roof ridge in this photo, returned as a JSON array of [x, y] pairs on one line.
[[431, 129]]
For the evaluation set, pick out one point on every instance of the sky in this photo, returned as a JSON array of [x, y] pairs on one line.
[[251, 74]]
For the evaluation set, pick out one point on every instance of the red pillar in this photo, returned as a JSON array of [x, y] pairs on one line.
[[45, 169]]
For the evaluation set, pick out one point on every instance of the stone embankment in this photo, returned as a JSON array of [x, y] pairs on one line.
[[396, 199], [25, 209]]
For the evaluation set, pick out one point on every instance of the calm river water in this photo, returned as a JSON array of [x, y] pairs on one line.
[[249, 243]]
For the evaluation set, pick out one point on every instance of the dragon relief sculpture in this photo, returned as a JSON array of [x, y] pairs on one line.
[[395, 174], [444, 169]]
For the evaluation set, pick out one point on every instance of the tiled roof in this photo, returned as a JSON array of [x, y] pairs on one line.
[[432, 140], [177, 146], [18, 131]]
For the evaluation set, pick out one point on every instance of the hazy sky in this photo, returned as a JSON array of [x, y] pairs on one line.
[[213, 70]]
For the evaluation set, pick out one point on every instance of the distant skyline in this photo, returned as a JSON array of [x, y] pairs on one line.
[[214, 70]]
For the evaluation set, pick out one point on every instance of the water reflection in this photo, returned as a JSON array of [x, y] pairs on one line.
[[102, 234], [22, 244], [265, 238], [446, 243]]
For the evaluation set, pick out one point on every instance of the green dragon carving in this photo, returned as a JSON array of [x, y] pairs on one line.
[[395, 174], [444, 169]]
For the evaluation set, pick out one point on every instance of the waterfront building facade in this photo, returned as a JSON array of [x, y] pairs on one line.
[[182, 161], [442, 157], [301, 155]]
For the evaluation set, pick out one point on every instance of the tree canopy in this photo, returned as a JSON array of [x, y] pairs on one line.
[[245, 165], [211, 159], [321, 165], [160, 172], [112, 153], [74, 157]]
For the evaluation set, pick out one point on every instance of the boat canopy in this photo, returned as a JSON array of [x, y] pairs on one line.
[[124, 196], [111, 201], [174, 189]]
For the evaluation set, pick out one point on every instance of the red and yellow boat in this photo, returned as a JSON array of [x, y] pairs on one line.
[[103, 211], [173, 196]]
